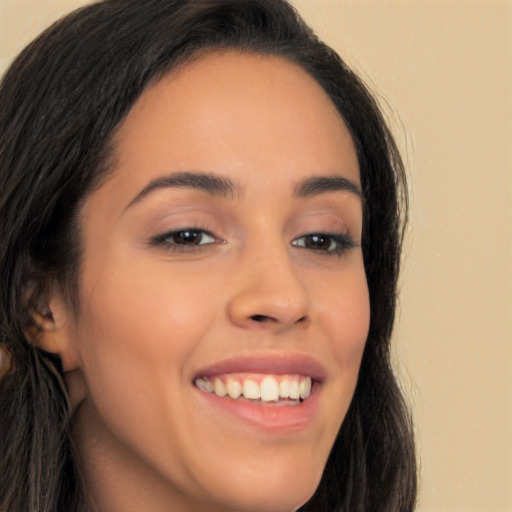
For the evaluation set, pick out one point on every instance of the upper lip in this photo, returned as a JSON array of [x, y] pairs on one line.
[[278, 364]]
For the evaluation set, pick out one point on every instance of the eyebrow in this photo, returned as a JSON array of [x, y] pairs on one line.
[[210, 183], [322, 184], [222, 186]]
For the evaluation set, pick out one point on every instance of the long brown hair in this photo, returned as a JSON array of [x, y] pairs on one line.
[[60, 103]]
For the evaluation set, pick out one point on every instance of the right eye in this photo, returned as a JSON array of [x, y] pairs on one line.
[[327, 243]]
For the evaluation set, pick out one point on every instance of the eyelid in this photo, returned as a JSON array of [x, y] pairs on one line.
[[340, 242], [162, 239], [344, 242]]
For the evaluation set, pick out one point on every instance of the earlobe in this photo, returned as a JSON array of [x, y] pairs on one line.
[[51, 332]]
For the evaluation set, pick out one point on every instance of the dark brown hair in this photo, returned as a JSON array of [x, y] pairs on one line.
[[60, 104]]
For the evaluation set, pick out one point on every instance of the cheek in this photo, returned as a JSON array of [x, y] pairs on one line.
[[345, 320], [140, 326], [148, 307], [139, 329], [346, 315]]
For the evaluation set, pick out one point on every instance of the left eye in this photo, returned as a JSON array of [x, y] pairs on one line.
[[191, 237], [324, 242], [185, 238]]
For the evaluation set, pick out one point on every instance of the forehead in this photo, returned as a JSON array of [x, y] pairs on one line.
[[228, 110]]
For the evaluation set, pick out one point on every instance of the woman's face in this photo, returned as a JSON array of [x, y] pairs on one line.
[[221, 256]]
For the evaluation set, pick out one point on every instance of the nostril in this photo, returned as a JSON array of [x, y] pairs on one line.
[[260, 318], [264, 318]]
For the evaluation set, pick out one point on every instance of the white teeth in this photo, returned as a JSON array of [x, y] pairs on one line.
[[234, 388], [269, 389], [251, 390], [204, 385], [272, 388], [305, 388], [309, 386], [219, 388], [284, 388], [294, 389]]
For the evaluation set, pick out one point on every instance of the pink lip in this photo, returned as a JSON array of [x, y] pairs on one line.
[[267, 418], [278, 364]]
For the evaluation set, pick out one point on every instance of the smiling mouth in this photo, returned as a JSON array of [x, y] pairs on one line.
[[258, 388]]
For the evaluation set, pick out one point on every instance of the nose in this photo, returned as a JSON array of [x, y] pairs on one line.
[[269, 293]]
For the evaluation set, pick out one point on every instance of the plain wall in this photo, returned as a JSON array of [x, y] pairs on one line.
[[443, 73]]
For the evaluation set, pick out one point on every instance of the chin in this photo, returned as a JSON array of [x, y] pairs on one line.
[[283, 489]]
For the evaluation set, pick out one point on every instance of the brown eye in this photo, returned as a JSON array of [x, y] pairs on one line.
[[320, 242], [334, 243], [317, 242], [188, 237], [184, 239]]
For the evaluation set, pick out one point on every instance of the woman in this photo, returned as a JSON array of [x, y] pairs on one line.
[[200, 238]]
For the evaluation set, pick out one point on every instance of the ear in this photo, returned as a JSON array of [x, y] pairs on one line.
[[52, 331]]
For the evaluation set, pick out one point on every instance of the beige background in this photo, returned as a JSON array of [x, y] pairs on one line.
[[443, 72]]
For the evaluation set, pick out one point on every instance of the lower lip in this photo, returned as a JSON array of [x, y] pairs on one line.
[[283, 419]]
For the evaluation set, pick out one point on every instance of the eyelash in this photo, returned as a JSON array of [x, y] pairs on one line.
[[163, 239], [341, 241]]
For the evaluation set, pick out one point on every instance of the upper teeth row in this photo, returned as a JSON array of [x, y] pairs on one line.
[[270, 389]]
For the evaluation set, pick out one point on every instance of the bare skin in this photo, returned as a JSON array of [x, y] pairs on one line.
[[257, 272]]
